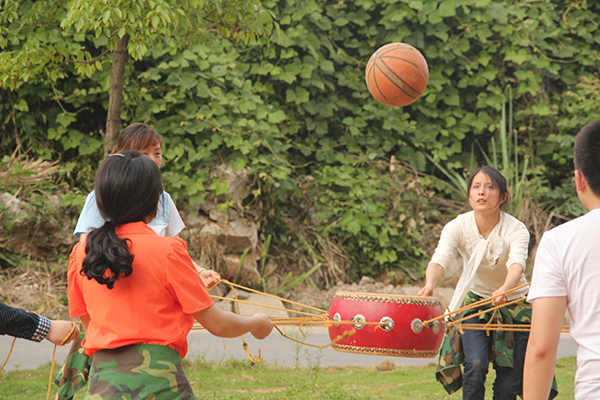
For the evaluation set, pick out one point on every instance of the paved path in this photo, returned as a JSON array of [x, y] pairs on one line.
[[275, 349]]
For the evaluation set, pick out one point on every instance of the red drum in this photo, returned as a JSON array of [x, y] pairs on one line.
[[399, 332]]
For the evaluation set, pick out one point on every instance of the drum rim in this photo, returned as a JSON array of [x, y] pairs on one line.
[[384, 351], [387, 298]]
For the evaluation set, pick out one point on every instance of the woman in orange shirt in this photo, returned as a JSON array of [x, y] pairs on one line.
[[138, 294]]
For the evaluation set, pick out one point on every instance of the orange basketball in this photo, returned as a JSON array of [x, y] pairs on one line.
[[397, 74]]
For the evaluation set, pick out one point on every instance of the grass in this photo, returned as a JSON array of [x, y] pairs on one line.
[[237, 379]]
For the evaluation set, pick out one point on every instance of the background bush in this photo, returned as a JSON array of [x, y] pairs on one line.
[[338, 175]]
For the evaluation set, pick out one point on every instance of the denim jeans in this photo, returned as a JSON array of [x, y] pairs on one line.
[[509, 381]]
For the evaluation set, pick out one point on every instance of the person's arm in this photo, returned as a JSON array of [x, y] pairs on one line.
[[229, 325], [518, 241], [432, 275], [174, 226], [23, 324], [513, 277], [208, 276], [59, 331], [448, 244], [89, 219], [31, 326], [183, 282], [540, 358], [85, 321]]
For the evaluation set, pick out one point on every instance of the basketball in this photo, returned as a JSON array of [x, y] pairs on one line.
[[397, 74]]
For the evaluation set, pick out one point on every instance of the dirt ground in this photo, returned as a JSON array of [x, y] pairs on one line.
[[34, 289]]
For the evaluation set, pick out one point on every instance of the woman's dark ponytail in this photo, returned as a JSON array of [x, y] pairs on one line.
[[128, 186], [105, 252]]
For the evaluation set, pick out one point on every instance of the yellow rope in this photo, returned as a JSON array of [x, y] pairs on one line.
[[314, 319], [73, 334], [489, 326], [504, 327], [232, 285], [323, 319], [262, 305], [51, 372], [344, 335], [326, 323], [9, 353], [479, 303], [487, 310]]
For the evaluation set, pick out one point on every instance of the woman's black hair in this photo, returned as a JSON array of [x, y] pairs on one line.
[[497, 179], [128, 186]]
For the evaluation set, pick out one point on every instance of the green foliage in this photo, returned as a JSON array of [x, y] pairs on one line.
[[297, 114], [38, 38], [8, 259]]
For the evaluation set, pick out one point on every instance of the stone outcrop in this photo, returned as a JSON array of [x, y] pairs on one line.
[[31, 232], [226, 239]]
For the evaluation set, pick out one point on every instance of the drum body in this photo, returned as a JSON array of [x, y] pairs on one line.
[[400, 331]]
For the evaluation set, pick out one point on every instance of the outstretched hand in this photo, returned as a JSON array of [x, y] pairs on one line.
[[426, 291]]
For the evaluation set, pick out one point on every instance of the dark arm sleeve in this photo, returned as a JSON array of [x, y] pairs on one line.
[[22, 324]]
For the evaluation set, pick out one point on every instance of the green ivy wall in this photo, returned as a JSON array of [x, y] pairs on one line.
[[337, 175]]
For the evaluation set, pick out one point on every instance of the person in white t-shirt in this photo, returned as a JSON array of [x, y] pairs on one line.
[[493, 246], [566, 274]]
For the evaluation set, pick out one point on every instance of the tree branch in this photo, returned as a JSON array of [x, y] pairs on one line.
[[92, 60]]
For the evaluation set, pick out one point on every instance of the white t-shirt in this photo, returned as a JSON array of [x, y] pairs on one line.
[[167, 222], [567, 263], [485, 261]]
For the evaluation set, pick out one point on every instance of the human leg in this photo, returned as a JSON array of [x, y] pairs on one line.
[[476, 364], [509, 381], [73, 375]]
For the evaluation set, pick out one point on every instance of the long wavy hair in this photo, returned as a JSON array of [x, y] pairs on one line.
[[128, 186]]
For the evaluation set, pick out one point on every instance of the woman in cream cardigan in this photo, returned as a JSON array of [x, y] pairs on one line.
[[493, 246]]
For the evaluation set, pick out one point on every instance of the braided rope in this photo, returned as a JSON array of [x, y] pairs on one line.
[[9, 353], [480, 303], [323, 319]]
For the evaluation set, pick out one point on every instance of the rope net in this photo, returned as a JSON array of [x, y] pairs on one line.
[[316, 316]]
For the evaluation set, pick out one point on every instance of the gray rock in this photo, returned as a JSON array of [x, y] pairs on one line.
[[33, 232]]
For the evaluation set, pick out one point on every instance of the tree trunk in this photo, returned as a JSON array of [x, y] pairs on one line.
[[117, 77]]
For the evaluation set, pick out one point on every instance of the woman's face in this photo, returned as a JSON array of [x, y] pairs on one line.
[[154, 153], [484, 195]]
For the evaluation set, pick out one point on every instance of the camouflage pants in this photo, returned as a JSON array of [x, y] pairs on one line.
[[142, 371], [74, 373], [501, 351]]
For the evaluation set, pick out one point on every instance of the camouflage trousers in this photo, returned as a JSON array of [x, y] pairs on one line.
[[142, 371], [501, 349], [73, 376]]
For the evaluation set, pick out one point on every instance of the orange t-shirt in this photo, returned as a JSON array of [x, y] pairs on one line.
[[153, 305]]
